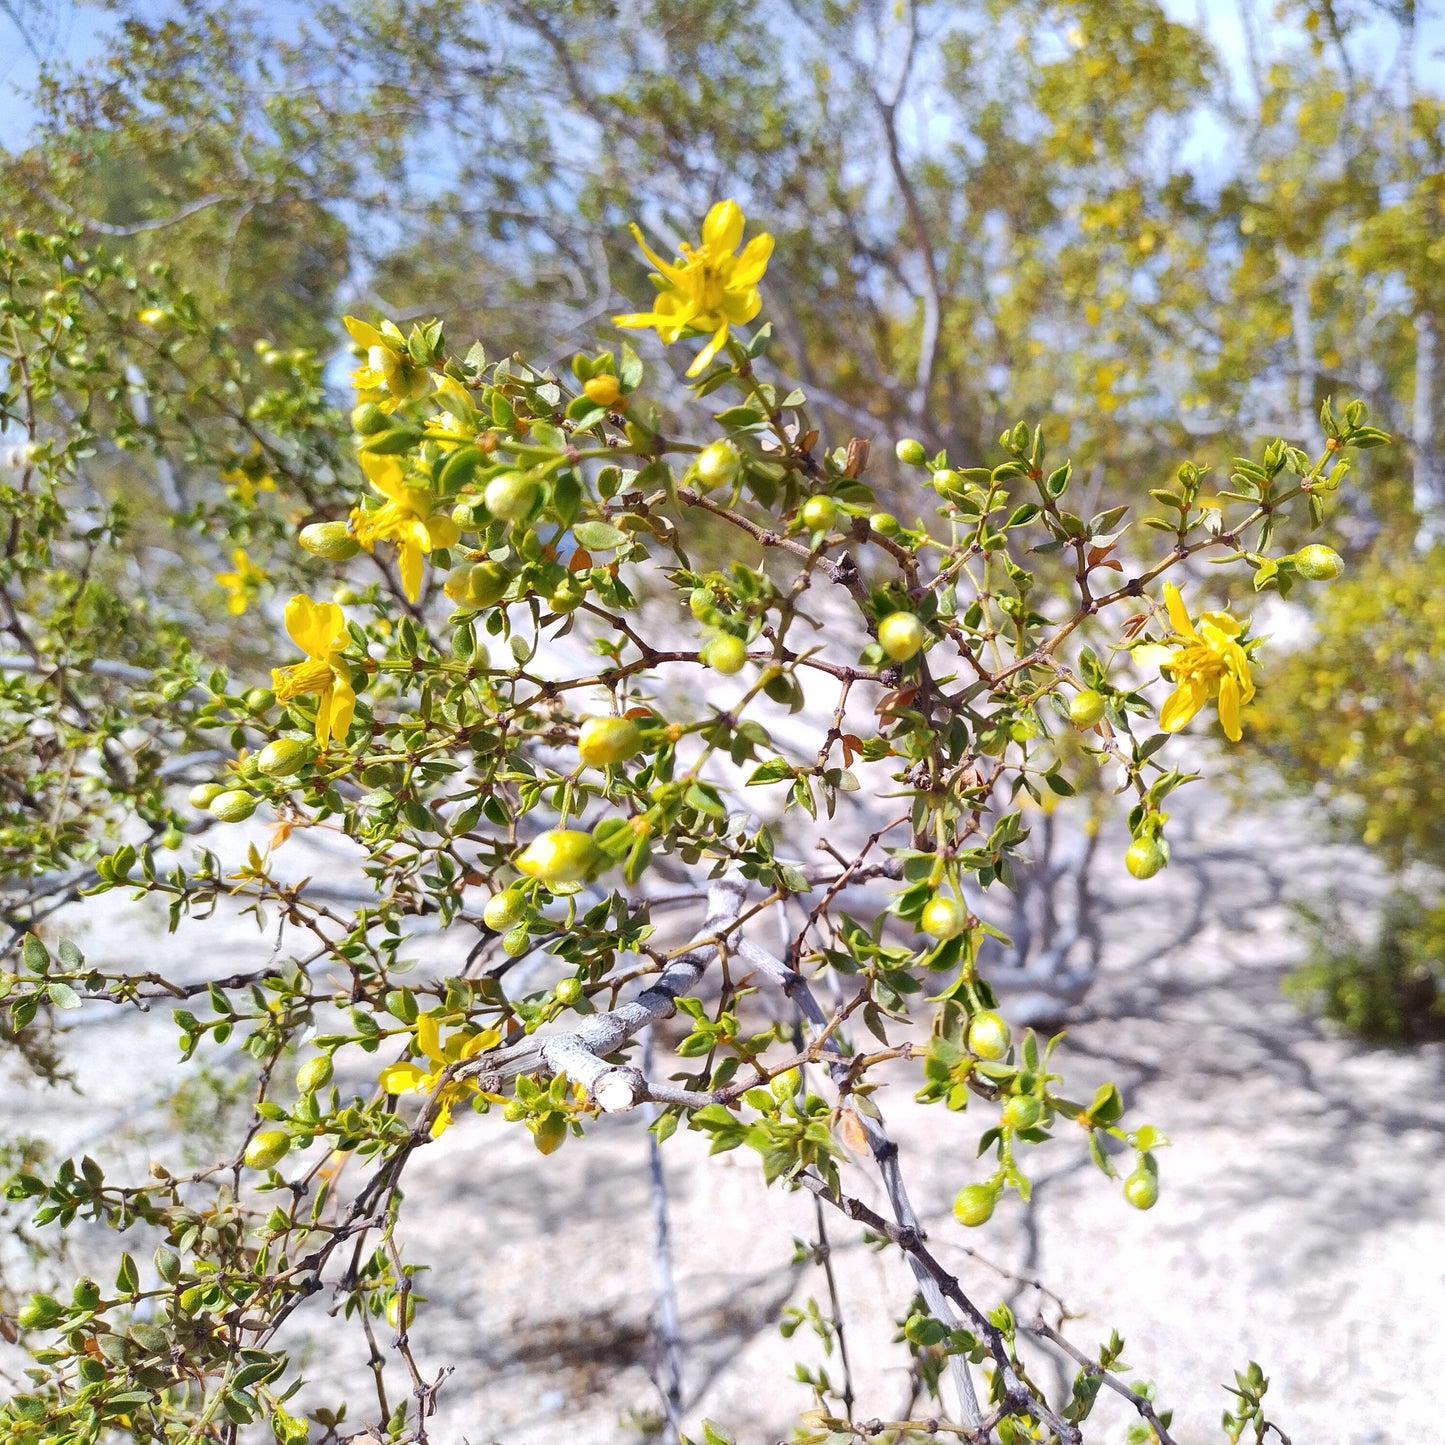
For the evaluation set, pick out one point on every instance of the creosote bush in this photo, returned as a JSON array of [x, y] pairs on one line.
[[515, 680]]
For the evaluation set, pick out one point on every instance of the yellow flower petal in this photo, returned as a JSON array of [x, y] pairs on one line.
[[1182, 705], [401, 1079], [1178, 614], [753, 261], [723, 228], [705, 356], [410, 565], [362, 333], [1229, 709]]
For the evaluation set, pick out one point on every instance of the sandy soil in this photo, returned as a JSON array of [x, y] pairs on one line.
[[1302, 1222]]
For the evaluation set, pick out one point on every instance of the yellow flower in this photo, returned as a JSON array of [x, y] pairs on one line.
[[244, 584], [1207, 662], [447, 427], [250, 477], [410, 1078], [389, 376], [319, 630], [406, 518], [710, 288]]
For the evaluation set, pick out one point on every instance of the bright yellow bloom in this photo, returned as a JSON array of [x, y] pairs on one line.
[[250, 477], [389, 376], [406, 518], [1207, 662], [319, 630], [710, 288], [244, 584], [409, 1078], [445, 426]]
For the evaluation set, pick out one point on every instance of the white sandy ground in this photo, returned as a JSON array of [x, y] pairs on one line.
[[1302, 1221]]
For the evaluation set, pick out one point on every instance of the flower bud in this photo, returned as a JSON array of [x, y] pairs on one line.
[[718, 465], [603, 389], [885, 524], [1318, 563], [204, 794], [284, 756], [329, 540], [910, 452], [233, 806]]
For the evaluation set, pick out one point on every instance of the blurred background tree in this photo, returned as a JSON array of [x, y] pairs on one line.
[[1096, 212]]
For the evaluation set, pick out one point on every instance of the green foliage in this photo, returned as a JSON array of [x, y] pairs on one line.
[[1389, 987], [1355, 713]]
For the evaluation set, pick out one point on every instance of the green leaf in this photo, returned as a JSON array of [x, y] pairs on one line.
[[63, 996], [600, 536]]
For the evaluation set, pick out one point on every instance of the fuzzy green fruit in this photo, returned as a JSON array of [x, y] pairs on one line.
[[204, 794], [560, 855], [1022, 1112], [943, 918], [233, 806], [718, 465], [1317, 563], [988, 1036], [1086, 708], [569, 594], [910, 452], [314, 1074], [604, 741], [283, 757], [901, 635], [368, 418], [1141, 1188], [1146, 856], [504, 909], [476, 585], [510, 497], [819, 513], [885, 524], [974, 1205], [725, 654], [331, 541], [567, 992], [267, 1149]]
